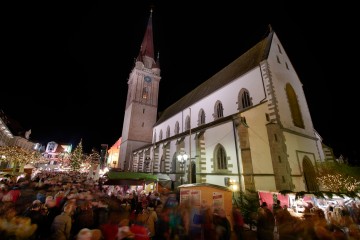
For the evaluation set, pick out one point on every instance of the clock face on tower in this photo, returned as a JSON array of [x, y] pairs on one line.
[[147, 79]]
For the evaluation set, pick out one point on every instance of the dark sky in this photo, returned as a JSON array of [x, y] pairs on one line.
[[65, 64]]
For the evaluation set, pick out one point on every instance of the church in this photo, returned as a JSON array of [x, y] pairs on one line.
[[249, 124]]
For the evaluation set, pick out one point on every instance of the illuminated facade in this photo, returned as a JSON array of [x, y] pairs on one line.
[[249, 123]]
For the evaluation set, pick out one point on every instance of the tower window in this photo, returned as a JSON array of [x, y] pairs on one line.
[[145, 93]]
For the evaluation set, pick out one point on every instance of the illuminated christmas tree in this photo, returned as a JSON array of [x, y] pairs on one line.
[[76, 158]]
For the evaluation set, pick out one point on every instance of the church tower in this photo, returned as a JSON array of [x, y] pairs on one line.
[[142, 100]]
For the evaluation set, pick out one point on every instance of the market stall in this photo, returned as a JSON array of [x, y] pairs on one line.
[[214, 196]]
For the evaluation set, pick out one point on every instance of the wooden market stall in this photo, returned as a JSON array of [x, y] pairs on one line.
[[200, 194]]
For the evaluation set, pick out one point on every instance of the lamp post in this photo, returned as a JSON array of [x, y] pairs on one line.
[[182, 158], [234, 187], [190, 165]]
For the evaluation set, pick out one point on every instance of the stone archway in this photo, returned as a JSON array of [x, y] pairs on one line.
[[309, 175]]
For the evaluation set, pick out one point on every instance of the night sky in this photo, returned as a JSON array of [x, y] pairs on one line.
[[66, 64]]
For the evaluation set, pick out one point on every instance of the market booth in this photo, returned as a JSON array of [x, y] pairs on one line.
[[212, 195]]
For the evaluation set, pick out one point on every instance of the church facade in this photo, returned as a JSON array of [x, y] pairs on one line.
[[249, 124]]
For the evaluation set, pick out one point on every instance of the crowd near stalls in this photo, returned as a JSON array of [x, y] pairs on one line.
[[75, 205]]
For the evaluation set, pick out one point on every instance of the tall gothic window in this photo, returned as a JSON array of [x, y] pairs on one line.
[[187, 123], [219, 110], [154, 137], [220, 158], [162, 164], [201, 117], [294, 107], [244, 99], [160, 135], [177, 128], [168, 132]]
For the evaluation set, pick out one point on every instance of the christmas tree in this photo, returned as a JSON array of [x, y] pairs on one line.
[[76, 157]]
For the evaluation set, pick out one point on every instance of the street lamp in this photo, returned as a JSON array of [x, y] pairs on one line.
[[182, 158], [234, 188]]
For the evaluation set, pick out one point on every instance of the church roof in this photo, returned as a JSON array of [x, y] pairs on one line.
[[240, 66]]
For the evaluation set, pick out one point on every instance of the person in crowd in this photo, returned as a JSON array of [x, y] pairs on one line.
[[109, 229], [265, 223], [101, 212], [83, 217], [276, 207], [148, 218], [221, 224], [51, 212], [238, 222], [62, 224], [37, 217]]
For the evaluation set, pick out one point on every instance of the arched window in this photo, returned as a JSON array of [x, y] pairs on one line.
[[187, 123], [160, 135], [220, 158], [201, 117], [174, 163], [177, 128], [294, 107], [244, 99], [155, 137], [168, 132], [162, 164], [219, 110]]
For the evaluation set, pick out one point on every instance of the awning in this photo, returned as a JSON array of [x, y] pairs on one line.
[[129, 178], [163, 177]]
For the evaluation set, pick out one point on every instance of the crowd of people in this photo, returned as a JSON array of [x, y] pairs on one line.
[[72, 206]]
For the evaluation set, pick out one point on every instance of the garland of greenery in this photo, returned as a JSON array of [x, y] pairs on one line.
[[322, 194]]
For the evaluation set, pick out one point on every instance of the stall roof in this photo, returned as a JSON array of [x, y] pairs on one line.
[[129, 178], [205, 185]]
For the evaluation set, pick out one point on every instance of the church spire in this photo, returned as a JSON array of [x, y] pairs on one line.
[[147, 46]]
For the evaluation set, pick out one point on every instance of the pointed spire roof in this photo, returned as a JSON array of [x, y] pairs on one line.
[[147, 46]]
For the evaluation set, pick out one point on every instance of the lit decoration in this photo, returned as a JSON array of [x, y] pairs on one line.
[[18, 157], [76, 157], [338, 177], [338, 183]]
